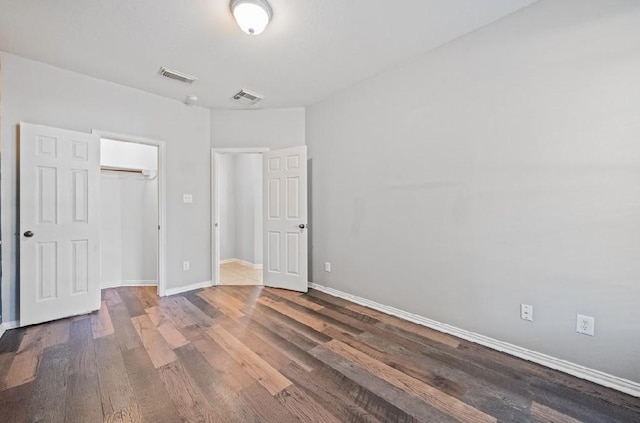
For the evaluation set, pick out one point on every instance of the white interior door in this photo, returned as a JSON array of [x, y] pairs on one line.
[[285, 219], [59, 223]]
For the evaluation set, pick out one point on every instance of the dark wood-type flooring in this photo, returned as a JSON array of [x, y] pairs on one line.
[[253, 354]]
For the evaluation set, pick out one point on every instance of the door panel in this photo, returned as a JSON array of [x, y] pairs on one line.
[[59, 223], [285, 222]]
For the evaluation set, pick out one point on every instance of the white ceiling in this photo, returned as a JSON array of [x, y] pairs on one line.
[[311, 49]]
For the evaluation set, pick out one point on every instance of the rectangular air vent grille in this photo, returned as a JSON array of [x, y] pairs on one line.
[[247, 97], [178, 76]]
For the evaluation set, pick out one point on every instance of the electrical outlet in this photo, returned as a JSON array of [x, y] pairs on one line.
[[186, 265], [526, 312], [327, 266], [187, 198], [585, 325]]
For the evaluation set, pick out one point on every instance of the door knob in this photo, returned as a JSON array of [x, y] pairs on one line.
[[28, 234], [302, 226]]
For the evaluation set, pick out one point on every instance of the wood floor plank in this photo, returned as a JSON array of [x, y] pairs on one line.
[[374, 404], [14, 403], [227, 404], [263, 312], [204, 306], [6, 359], [429, 394], [196, 315], [154, 404], [131, 301], [83, 402], [288, 330], [281, 344], [332, 397], [410, 405], [171, 308], [294, 314], [158, 349], [166, 327], [11, 339], [116, 392], [130, 414], [488, 390], [56, 333], [266, 407], [101, 322], [187, 397], [389, 321], [297, 298], [213, 299], [544, 414], [327, 315], [235, 375], [124, 331], [49, 398], [147, 295], [25, 363], [305, 408], [408, 367], [262, 371]]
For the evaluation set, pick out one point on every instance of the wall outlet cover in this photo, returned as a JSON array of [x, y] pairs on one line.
[[186, 265], [526, 312], [327, 266], [585, 325], [187, 198]]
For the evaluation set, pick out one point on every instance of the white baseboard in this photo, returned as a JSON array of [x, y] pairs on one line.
[[116, 284], [243, 262], [8, 325], [181, 289], [595, 376]]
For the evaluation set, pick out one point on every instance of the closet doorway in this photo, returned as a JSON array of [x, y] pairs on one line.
[[238, 224], [132, 212]]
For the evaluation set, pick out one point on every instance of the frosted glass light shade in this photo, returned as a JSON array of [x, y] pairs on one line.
[[252, 16]]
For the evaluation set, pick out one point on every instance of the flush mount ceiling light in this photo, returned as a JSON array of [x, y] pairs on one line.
[[252, 16]]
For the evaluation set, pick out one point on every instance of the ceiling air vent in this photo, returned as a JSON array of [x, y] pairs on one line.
[[247, 97], [178, 76]]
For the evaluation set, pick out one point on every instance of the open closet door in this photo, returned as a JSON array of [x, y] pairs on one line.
[[285, 219], [59, 223]]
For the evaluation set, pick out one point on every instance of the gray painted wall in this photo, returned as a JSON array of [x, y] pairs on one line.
[[227, 209], [240, 209], [39, 93], [249, 207], [502, 168]]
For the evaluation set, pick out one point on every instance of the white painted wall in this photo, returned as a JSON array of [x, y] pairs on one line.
[[39, 93], [129, 235], [502, 168], [139, 229], [128, 155], [129, 207], [110, 229], [272, 128]]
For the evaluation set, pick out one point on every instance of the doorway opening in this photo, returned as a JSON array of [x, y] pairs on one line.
[[238, 217], [132, 207]]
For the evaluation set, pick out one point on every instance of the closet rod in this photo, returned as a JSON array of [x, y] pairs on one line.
[[120, 169]]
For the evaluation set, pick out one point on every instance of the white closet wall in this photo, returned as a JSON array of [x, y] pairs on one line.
[[129, 217]]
